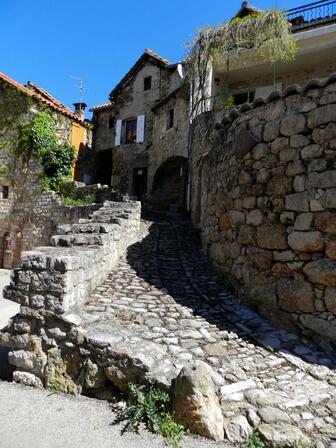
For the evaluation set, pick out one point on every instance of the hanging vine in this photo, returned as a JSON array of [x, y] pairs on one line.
[[263, 36], [39, 139]]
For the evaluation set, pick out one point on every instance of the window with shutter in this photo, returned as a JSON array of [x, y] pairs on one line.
[[117, 140], [140, 132]]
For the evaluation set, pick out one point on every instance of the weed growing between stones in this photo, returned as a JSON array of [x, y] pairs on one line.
[[150, 405], [252, 441]]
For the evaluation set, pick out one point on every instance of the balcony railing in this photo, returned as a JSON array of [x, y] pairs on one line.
[[312, 14]]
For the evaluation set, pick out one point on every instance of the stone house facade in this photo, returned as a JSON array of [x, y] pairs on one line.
[[314, 30], [264, 200], [124, 141], [29, 216]]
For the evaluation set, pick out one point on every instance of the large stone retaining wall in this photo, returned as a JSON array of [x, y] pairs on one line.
[[264, 199], [52, 283]]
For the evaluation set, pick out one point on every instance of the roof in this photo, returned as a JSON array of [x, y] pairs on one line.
[[103, 106], [181, 88], [245, 10], [43, 96], [147, 55]]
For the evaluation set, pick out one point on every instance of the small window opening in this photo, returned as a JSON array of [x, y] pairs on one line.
[[148, 83], [111, 122], [130, 131], [5, 192], [243, 97], [170, 119]]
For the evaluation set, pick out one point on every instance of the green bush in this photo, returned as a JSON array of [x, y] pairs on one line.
[[89, 199], [252, 441], [39, 139], [150, 405]]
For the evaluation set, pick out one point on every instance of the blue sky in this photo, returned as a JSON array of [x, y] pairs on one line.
[[47, 41]]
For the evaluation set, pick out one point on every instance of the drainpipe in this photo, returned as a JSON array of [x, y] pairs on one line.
[[189, 159]]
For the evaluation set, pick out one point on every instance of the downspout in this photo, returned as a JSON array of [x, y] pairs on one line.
[[189, 160]]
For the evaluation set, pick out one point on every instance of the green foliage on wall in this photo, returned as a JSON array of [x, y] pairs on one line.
[[39, 139]]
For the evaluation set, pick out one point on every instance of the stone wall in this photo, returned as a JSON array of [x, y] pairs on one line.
[[264, 199], [52, 283], [28, 215]]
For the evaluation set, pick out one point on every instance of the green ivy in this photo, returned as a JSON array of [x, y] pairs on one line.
[[39, 139]]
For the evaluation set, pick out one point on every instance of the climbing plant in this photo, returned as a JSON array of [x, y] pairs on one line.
[[264, 36], [39, 139]]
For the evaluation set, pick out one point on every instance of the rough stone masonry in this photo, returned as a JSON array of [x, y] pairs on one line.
[[264, 198]]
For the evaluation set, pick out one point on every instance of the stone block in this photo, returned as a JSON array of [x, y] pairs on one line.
[[293, 124], [321, 271], [272, 130], [297, 202], [331, 248], [330, 299], [327, 179], [272, 236], [300, 183], [330, 200], [299, 141], [319, 326], [317, 165], [279, 187], [260, 151], [322, 115], [195, 402], [287, 155], [260, 258], [306, 241], [304, 221], [311, 151], [254, 218], [244, 141], [295, 168], [326, 222], [286, 255], [224, 221], [279, 144], [324, 134], [246, 235]]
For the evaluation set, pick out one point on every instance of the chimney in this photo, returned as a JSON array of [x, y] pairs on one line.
[[80, 110]]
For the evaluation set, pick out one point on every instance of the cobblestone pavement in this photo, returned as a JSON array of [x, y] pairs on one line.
[[267, 378]]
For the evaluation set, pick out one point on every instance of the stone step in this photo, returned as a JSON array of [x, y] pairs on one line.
[[80, 239], [89, 227]]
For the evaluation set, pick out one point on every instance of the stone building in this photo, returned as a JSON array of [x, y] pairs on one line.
[[264, 200], [29, 216], [144, 102], [314, 29]]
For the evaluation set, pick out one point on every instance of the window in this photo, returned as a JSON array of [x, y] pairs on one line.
[[170, 119], [148, 83], [243, 97], [130, 131], [4, 192], [111, 122]]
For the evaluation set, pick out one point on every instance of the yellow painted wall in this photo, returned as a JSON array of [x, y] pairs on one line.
[[77, 140]]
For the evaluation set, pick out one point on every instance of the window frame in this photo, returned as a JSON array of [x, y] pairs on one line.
[[147, 83], [112, 120], [170, 118], [126, 123]]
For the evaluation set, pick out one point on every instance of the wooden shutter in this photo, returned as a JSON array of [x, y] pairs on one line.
[[118, 133], [140, 133]]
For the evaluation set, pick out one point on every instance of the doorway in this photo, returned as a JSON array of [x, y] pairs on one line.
[[139, 182], [104, 167]]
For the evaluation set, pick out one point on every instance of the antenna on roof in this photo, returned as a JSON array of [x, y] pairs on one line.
[[81, 87]]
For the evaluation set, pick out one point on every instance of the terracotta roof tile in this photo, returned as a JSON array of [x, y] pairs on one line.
[[102, 106], [43, 96]]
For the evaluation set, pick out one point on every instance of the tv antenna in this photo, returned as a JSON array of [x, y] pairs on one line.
[[80, 86]]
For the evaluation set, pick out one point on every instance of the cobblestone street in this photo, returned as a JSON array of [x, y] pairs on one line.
[[163, 292]]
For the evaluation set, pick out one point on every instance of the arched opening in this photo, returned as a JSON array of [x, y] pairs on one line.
[[169, 185]]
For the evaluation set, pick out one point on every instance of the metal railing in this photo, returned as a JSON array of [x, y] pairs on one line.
[[312, 14]]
